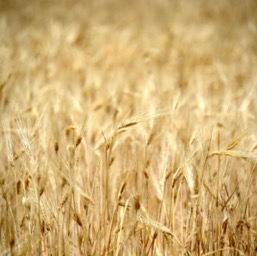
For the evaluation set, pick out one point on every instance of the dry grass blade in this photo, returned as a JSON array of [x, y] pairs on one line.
[[24, 136], [210, 191], [191, 176], [128, 125], [181, 168], [225, 249], [76, 186], [235, 141], [83, 194], [77, 218], [144, 218], [233, 153], [64, 198], [130, 122]]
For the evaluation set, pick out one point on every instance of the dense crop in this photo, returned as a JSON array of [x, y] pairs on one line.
[[128, 127]]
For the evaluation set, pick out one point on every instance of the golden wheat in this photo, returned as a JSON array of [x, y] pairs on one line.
[[128, 127]]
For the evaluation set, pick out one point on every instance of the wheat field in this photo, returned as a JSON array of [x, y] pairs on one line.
[[128, 127]]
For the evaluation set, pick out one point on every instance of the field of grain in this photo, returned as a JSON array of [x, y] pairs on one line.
[[128, 127]]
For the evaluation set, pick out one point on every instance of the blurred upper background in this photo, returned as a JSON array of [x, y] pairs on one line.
[[114, 43], [120, 31]]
